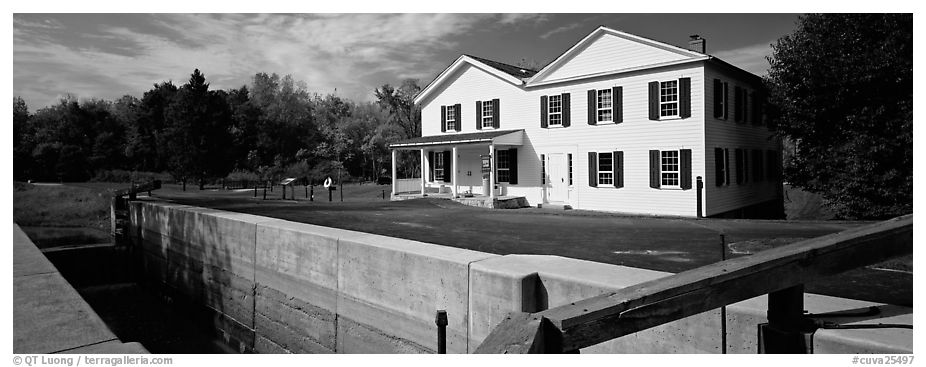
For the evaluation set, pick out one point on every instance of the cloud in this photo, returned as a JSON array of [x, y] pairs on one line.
[[563, 29], [351, 52], [750, 58]]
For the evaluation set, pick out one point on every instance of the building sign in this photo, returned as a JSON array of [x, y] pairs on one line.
[[486, 163]]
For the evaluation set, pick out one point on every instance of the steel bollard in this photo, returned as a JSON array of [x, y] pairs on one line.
[[441, 320]]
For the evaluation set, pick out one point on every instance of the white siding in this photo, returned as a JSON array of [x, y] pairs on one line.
[[612, 52], [520, 109], [731, 135]]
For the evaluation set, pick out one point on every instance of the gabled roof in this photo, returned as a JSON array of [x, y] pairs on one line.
[[515, 71], [594, 35], [467, 138], [526, 78], [502, 71]]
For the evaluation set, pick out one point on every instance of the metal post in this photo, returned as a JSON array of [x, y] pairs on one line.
[[265, 192], [341, 189], [306, 191], [384, 194], [312, 196], [255, 190], [700, 194], [723, 257], [441, 321], [284, 193], [329, 193]]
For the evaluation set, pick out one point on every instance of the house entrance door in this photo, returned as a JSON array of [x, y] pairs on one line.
[[556, 166]]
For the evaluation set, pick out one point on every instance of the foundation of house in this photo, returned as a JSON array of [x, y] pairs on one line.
[[498, 202]]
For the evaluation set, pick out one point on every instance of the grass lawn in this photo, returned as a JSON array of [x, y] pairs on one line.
[[55, 215]]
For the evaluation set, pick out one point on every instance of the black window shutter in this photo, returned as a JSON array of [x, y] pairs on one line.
[[592, 169], [738, 101], [654, 101], [448, 169], [431, 166], [495, 122], [718, 167], [567, 110], [618, 169], [617, 103], [745, 105], [685, 168], [684, 98], [592, 107], [739, 166], [478, 115], [757, 168], [543, 112], [756, 108], [443, 118], [745, 164], [726, 166], [456, 116], [718, 98], [513, 166], [726, 101], [654, 169]]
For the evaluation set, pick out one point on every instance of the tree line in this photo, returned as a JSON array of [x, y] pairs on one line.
[[266, 130]]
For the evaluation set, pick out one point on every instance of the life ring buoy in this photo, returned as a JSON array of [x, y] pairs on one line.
[[328, 182]]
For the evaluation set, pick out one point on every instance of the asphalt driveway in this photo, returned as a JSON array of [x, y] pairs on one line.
[[665, 244]]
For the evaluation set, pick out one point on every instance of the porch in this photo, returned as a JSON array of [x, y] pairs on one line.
[[480, 201], [473, 169]]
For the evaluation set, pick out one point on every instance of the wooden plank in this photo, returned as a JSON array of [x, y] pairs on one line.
[[632, 309], [656, 302], [519, 333], [148, 186]]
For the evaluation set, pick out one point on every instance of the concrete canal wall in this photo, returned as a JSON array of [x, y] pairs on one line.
[[274, 286]]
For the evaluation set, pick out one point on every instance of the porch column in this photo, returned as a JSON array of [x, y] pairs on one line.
[[492, 171], [423, 171], [394, 156], [454, 167]]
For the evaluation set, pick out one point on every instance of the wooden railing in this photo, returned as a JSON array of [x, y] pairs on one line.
[[780, 272]]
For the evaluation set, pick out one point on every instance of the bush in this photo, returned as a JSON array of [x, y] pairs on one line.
[[242, 175], [123, 176]]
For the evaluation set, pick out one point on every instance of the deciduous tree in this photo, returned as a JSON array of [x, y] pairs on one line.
[[842, 90]]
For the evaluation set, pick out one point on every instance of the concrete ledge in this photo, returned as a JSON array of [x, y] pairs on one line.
[[323, 290], [49, 316]]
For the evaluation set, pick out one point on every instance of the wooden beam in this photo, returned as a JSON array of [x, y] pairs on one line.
[[645, 305], [151, 185], [656, 302]]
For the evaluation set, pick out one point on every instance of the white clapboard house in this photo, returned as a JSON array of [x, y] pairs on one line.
[[616, 123]]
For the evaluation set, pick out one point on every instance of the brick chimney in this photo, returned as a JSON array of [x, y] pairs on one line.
[[697, 44]]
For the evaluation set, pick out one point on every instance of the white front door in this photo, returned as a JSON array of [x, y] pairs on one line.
[[556, 168]]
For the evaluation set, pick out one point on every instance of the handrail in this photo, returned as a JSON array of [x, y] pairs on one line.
[[777, 271]]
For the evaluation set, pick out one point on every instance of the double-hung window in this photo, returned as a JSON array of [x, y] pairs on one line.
[[605, 168], [668, 99], [502, 167], [605, 103], [488, 114], [451, 118], [555, 110], [669, 168], [439, 166]]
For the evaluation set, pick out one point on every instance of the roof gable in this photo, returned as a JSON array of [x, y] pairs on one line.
[[509, 73], [608, 50]]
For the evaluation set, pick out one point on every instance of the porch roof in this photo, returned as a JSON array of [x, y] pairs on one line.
[[502, 137]]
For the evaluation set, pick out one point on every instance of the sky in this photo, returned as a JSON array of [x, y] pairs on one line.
[[111, 55]]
